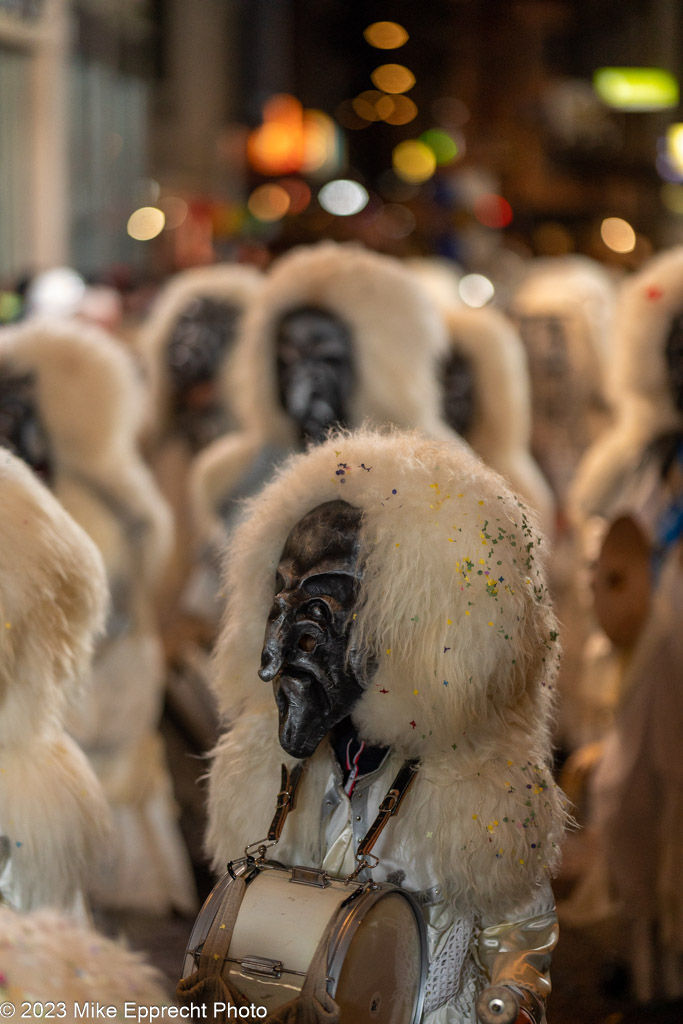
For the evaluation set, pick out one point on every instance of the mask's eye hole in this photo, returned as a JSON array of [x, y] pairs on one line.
[[318, 611], [307, 643]]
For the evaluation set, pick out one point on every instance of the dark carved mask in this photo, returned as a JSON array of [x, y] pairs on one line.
[[21, 428], [316, 679], [314, 369], [674, 361], [459, 402], [198, 345]]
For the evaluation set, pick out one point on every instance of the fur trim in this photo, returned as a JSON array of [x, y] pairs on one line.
[[231, 283], [91, 402], [397, 334], [647, 302], [45, 957], [52, 599], [54, 813], [501, 431], [440, 277], [52, 602], [465, 662], [215, 473]]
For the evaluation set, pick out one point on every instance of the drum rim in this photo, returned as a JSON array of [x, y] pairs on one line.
[[345, 928]]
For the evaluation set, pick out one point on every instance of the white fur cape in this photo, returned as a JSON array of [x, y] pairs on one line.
[[501, 431], [234, 284], [455, 610], [46, 958], [91, 401], [398, 337], [644, 408], [52, 603]]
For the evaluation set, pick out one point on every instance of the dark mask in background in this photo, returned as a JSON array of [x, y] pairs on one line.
[[316, 679], [457, 389], [674, 361], [199, 342], [21, 428], [315, 370]]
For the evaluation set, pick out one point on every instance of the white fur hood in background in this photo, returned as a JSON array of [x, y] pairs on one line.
[[647, 302], [91, 402], [53, 597], [582, 292], [231, 283], [501, 429], [397, 336], [454, 609], [52, 604]]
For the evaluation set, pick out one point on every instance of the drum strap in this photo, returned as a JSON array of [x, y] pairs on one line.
[[390, 805], [286, 799]]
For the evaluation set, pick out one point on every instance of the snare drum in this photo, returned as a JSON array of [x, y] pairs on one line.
[[377, 949]]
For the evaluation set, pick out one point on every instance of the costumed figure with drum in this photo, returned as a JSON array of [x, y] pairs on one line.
[[388, 636]]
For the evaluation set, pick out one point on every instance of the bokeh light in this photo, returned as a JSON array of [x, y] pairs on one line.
[[443, 146], [299, 194], [674, 146], [393, 78], [413, 161], [365, 104], [492, 211], [395, 221], [475, 290], [386, 35], [146, 223], [175, 210], [343, 197], [404, 110], [618, 235], [634, 89], [269, 203]]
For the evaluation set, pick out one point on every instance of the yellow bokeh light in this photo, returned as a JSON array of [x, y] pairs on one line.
[[404, 111], [413, 161], [618, 235], [393, 78], [674, 146], [269, 202], [386, 35], [146, 223]]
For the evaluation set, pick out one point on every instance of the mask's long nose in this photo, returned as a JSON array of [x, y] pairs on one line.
[[273, 647]]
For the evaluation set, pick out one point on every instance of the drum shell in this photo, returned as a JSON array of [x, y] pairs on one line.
[[377, 948]]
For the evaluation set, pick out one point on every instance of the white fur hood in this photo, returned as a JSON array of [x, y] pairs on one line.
[[455, 611], [644, 408], [397, 337], [501, 430], [232, 283], [91, 401]]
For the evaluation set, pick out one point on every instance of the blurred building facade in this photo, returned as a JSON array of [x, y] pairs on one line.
[[108, 106]]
